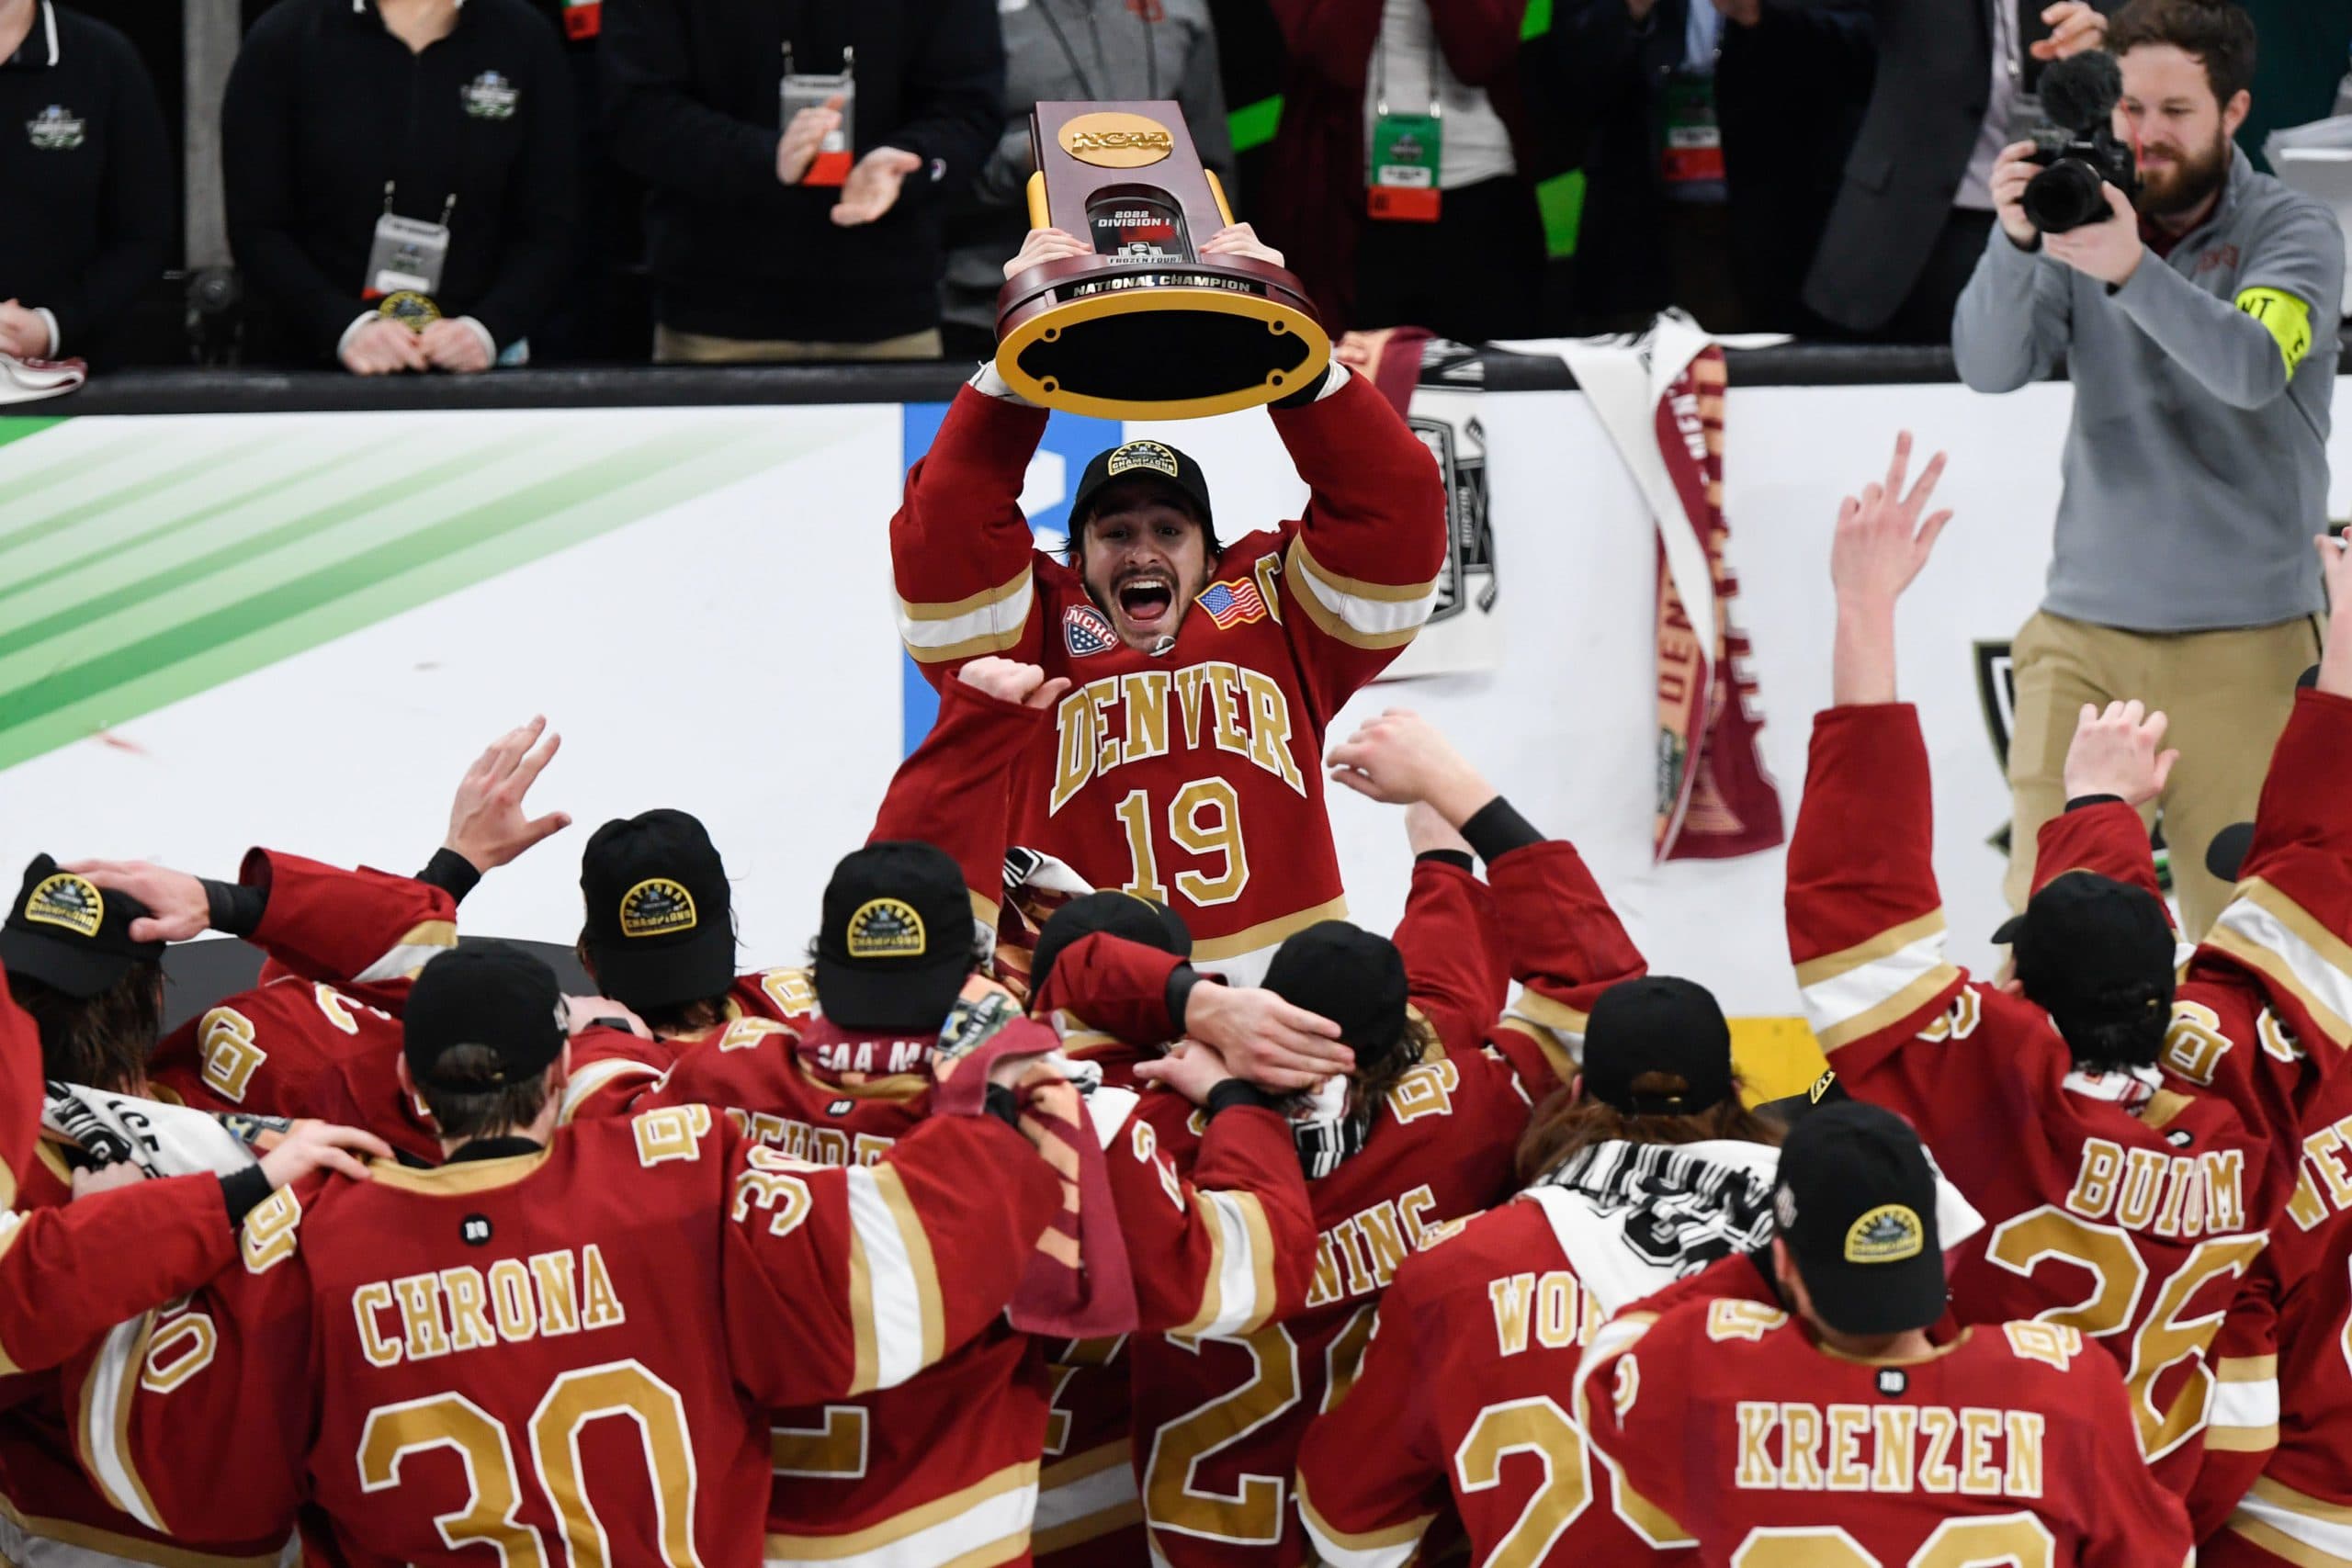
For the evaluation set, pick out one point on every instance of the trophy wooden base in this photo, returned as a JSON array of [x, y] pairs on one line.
[[1160, 339]]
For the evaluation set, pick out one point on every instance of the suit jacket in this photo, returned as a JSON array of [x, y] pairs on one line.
[[1935, 65], [1789, 93]]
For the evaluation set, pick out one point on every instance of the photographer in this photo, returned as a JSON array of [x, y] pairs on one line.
[[2199, 332]]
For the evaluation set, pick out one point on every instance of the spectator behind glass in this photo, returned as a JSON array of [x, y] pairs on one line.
[[753, 259], [1717, 130], [2200, 334], [1917, 202], [1476, 272], [1057, 50], [85, 182], [343, 114]]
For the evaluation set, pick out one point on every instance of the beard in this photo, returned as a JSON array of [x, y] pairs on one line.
[[2191, 178]]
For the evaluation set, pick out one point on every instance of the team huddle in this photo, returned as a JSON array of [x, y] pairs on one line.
[[1093, 1192]]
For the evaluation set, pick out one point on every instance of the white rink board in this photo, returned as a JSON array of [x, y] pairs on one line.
[[734, 654]]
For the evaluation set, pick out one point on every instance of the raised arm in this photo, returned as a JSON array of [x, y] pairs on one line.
[[1450, 936], [1866, 922], [1566, 944]]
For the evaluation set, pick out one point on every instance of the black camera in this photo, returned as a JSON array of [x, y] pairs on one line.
[[2078, 152]]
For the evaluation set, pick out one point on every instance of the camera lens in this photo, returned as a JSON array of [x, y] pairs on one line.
[[2067, 195]]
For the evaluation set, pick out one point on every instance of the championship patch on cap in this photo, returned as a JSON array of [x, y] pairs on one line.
[[1888, 1234], [885, 928], [1086, 629], [655, 907], [1145, 454], [1821, 1085], [69, 901]]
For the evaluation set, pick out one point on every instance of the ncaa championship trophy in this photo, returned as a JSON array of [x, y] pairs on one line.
[[1145, 327]]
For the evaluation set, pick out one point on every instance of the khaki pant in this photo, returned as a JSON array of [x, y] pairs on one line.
[[671, 347], [2227, 692]]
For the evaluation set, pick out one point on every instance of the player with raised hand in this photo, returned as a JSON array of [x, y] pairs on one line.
[[1185, 766], [343, 947], [552, 1346], [1834, 1434], [2114, 1202]]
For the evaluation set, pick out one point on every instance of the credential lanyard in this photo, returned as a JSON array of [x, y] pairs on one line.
[[1405, 151]]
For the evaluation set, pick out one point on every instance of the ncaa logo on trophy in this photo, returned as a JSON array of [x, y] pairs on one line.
[[1145, 327]]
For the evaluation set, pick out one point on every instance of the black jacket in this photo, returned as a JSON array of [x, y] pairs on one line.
[[692, 105], [325, 106], [1788, 94], [86, 178], [1935, 67]]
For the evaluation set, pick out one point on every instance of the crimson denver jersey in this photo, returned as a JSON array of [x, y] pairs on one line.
[[1465, 1399], [1457, 971], [944, 1468], [554, 1356], [1192, 777], [1723, 1424], [343, 946], [2139, 1226]]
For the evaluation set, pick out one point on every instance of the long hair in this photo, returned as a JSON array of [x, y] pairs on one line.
[[675, 1018], [102, 1041], [1564, 1125], [489, 1111], [1373, 1080]]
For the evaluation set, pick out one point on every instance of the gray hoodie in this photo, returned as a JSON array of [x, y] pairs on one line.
[[1093, 49], [2196, 464]]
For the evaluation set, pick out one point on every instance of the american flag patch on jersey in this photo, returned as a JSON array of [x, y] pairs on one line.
[[1232, 605], [1086, 631]]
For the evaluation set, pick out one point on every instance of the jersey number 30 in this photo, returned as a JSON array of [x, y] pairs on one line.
[[617, 1391]]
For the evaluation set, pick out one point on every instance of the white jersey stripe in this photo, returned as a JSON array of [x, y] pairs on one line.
[[1237, 1282], [897, 1299]]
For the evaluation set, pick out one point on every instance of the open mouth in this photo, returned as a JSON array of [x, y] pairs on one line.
[[1146, 600]]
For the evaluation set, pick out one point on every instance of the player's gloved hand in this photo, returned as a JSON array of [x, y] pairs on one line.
[[1265, 1039], [177, 908], [1191, 1069], [2115, 752], [310, 1146], [1400, 758], [1240, 239], [1009, 681], [89, 1183], [1044, 245], [486, 821]]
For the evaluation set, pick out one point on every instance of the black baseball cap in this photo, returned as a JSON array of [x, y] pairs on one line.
[[1855, 1200], [661, 931], [486, 994], [2085, 939], [1658, 1024], [1348, 975], [2227, 853], [896, 946], [1112, 913], [1790, 1109], [67, 931], [1147, 459]]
